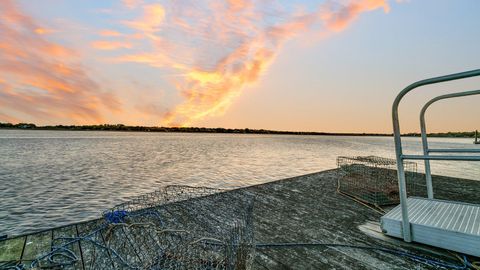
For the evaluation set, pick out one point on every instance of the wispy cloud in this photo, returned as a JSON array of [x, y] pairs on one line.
[[109, 33], [132, 3], [153, 16], [214, 48], [43, 31], [219, 47], [41, 79], [111, 45], [338, 17]]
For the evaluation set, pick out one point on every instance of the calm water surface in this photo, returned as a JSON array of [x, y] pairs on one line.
[[51, 178]]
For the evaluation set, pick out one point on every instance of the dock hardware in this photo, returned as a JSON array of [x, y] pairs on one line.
[[441, 223]]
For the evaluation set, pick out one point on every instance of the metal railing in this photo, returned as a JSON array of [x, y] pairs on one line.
[[426, 150], [398, 144]]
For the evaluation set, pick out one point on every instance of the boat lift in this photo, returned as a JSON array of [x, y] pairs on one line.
[[445, 224]]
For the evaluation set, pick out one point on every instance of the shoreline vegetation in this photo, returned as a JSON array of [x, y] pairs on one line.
[[121, 127]]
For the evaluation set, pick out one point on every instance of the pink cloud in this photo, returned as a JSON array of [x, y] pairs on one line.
[[42, 79], [111, 45], [109, 33], [226, 46]]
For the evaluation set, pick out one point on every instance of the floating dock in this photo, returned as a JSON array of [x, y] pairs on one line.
[[439, 223], [444, 223], [305, 209]]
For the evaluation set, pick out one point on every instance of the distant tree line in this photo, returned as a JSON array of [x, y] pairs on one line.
[[121, 127], [18, 126]]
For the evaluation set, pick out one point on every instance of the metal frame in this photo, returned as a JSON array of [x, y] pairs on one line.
[[407, 236], [426, 150]]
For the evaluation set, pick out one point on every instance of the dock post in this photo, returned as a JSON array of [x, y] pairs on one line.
[[428, 172], [402, 187]]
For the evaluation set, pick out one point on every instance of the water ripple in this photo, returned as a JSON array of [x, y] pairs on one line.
[[51, 178]]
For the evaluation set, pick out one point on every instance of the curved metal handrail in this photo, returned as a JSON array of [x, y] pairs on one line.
[[398, 140], [426, 151]]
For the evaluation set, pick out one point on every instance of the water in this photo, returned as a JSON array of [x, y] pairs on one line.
[[51, 178]]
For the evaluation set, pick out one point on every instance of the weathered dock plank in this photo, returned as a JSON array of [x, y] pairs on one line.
[[64, 235], [308, 209], [94, 256], [304, 209], [11, 251], [36, 245]]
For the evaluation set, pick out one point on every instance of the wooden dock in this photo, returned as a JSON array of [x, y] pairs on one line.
[[304, 209]]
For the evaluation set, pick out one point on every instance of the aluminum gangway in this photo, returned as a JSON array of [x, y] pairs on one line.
[[445, 224]]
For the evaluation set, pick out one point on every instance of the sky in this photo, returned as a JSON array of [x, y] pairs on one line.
[[327, 66]]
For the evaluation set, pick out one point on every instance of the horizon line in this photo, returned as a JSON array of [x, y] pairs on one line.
[[192, 129]]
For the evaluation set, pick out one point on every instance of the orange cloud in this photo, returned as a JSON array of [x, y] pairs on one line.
[[110, 33], [236, 5], [153, 16], [8, 119], [110, 45], [222, 46], [131, 3], [337, 19], [43, 80], [43, 31], [211, 93]]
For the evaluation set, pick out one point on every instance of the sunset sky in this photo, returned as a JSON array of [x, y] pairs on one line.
[[332, 66]]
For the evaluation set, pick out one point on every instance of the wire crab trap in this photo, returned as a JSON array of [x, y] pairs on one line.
[[373, 179], [175, 227]]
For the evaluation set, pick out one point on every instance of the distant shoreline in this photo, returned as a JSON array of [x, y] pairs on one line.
[[120, 127]]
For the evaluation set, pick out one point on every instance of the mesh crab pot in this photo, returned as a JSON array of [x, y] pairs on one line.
[[373, 179], [175, 227], [181, 227]]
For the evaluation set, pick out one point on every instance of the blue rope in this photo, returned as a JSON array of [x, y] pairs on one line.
[[62, 249], [12, 267], [118, 216], [115, 217]]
